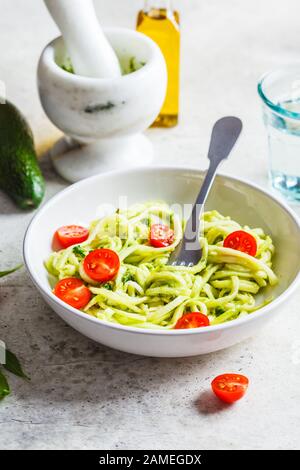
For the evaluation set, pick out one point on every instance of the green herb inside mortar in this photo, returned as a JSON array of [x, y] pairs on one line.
[[134, 65], [128, 66]]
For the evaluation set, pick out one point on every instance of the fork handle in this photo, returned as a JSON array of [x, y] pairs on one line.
[[225, 133]]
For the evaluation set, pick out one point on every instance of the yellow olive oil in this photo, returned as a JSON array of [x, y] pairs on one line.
[[161, 23]]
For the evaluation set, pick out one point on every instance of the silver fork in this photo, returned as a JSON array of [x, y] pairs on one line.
[[224, 136]]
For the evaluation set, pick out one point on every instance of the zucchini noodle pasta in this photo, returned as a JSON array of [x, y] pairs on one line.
[[149, 293]]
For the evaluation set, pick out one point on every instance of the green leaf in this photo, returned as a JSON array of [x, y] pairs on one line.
[[6, 273], [78, 251], [219, 311], [4, 387], [108, 286], [127, 277], [13, 365]]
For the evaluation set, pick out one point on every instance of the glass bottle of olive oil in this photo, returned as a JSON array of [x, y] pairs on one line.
[[160, 22]]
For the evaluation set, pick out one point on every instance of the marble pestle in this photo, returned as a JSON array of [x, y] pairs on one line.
[[89, 50]]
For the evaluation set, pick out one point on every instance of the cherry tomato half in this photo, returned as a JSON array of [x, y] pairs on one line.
[[71, 235], [102, 265], [230, 387], [161, 236], [73, 291], [192, 320], [241, 241]]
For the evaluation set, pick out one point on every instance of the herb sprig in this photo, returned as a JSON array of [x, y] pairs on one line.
[[12, 363], [10, 271], [78, 251]]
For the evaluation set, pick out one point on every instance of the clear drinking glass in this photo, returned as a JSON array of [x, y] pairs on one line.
[[280, 94]]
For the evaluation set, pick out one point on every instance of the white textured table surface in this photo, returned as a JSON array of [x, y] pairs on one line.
[[83, 395]]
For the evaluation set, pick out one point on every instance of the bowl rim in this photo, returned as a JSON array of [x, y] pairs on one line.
[[130, 329]]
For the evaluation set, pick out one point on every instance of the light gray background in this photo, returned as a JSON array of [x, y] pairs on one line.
[[83, 395]]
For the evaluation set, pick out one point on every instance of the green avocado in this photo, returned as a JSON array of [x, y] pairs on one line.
[[20, 175]]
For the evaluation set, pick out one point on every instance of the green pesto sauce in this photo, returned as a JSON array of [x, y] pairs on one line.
[[128, 65]]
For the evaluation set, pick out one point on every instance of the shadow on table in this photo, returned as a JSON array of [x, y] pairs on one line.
[[67, 368], [208, 403], [7, 206], [48, 170]]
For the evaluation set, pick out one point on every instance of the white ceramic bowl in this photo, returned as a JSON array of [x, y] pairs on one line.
[[243, 201]]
